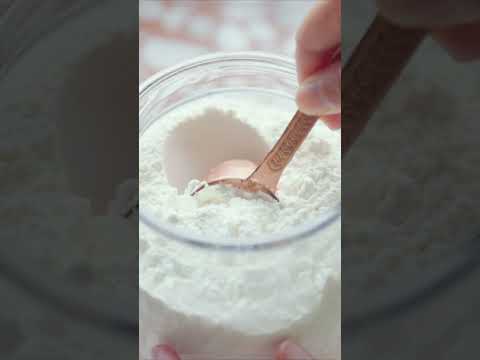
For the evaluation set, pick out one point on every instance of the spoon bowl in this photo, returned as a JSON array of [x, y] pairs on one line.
[[236, 173], [231, 169]]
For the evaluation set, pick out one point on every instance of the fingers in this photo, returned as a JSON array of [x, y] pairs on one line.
[[320, 32], [286, 351], [461, 41], [317, 42], [320, 94], [290, 351], [164, 352], [430, 14]]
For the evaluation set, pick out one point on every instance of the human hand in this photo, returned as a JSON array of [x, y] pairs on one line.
[[286, 351], [455, 24], [318, 42]]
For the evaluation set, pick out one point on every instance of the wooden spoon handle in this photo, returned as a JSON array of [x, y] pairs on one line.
[[370, 72]]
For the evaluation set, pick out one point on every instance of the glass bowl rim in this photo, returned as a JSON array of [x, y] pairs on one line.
[[297, 233], [258, 57]]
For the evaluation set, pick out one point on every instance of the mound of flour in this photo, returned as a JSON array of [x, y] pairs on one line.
[[309, 187], [207, 302]]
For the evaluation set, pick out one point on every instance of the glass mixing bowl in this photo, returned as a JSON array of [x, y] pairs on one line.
[[235, 75]]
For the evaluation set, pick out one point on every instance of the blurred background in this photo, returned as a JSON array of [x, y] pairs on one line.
[[176, 30]]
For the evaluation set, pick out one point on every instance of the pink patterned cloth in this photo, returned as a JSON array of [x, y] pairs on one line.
[[172, 31]]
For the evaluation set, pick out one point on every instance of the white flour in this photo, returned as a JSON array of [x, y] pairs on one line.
[[240, 304], [309, 186]]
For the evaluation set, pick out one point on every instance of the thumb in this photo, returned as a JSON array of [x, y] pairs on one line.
[[164, 352], [290, 351], [320, 94]]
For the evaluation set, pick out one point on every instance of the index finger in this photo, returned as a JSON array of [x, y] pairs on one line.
[[320, 32]]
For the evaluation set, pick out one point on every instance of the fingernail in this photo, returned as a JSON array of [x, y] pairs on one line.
[[290, 351], [164, 352], [313, 99], [320, 94]]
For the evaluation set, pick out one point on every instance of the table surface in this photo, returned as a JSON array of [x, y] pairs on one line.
[[176, 30]]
